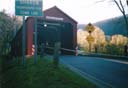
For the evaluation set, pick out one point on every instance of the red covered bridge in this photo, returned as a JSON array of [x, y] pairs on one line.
[[52, 23]]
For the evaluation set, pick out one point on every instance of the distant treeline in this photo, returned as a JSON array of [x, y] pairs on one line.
[[111, 26]]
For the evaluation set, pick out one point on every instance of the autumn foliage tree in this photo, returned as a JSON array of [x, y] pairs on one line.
[[98, 34], [113, 45]]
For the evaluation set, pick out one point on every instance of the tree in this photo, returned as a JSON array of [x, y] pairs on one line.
[[7, 26], [121, 6], [122, 10], [98, 34]]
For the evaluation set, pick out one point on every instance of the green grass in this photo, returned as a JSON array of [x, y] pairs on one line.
[[41, 75]]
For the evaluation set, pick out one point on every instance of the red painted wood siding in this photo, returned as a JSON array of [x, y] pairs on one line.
[[30, 28]]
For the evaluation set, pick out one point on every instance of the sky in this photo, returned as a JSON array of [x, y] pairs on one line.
[[83, 11]]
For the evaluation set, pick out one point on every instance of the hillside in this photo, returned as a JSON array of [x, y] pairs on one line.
[[110, 26]]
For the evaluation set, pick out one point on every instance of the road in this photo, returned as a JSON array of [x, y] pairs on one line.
[[109, 73]]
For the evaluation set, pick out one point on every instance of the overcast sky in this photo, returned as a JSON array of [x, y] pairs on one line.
[[83, 11]]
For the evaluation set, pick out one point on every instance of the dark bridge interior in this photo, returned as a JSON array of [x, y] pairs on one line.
[[50, 32]]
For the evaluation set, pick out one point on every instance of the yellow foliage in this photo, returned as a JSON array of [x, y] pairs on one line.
[[98, 34], [119, 40]]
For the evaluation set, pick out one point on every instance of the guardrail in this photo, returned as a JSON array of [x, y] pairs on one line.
[[62, 49], [94, 54], [65, 49], [107, 56]]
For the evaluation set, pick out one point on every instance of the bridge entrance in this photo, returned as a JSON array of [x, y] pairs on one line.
[[50, 32]]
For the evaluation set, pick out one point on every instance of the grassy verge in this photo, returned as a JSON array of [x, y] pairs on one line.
[[41, 75]]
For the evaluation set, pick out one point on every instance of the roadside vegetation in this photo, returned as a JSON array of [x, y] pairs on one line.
[[40, 75], [9, 25], [110, 45]]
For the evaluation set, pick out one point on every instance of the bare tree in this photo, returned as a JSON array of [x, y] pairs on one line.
[[122, 10], [121, 7]]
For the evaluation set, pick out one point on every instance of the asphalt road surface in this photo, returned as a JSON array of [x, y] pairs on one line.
[[111, 73]]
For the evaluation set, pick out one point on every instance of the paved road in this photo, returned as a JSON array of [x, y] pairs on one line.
[[112, 73]]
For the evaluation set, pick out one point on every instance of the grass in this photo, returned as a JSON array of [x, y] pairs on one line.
[[40, 75]]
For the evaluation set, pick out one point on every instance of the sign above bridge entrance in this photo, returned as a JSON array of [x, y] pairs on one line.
[[28, 7]]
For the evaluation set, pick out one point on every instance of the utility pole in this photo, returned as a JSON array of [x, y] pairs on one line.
[[23, 42]]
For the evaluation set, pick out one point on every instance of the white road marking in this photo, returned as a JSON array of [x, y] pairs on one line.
[[89, 77], [113, 60]]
